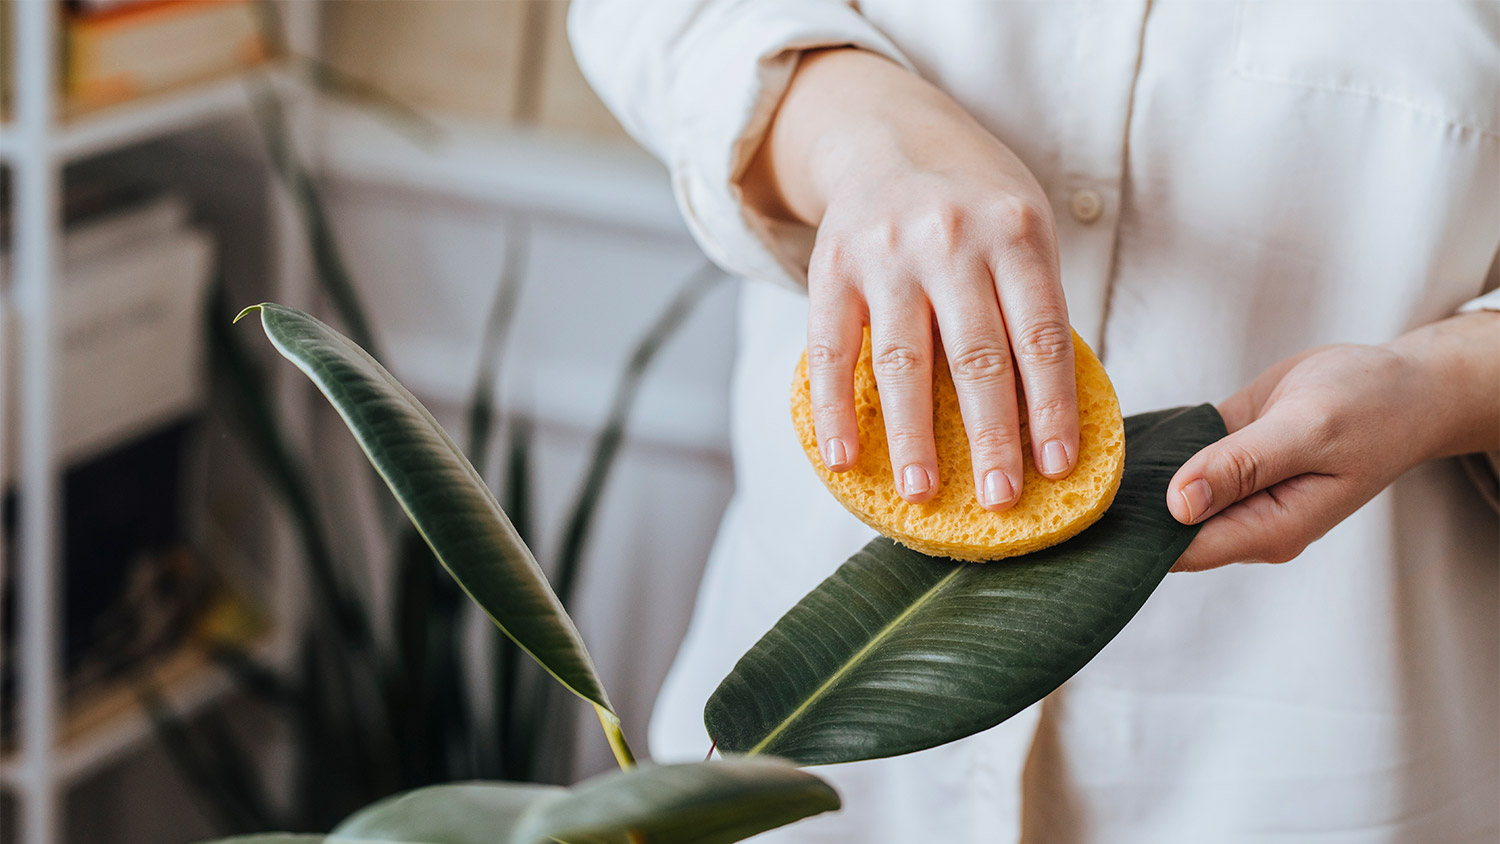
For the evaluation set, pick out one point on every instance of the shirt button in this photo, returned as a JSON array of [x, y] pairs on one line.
[[1087, 206]]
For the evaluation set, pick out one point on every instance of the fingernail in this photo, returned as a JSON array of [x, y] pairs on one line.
[[834, 453], [915, 480], [1197, 497], [997, 488], [1054, 458]]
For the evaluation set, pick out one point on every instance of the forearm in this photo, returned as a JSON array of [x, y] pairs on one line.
[[1459, 358]]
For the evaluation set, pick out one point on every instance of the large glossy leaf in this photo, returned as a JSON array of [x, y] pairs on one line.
[[445, 498], [462, 813], [699, 803], [897, 652]]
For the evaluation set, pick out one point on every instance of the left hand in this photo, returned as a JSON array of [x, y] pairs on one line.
[[1310, 441]]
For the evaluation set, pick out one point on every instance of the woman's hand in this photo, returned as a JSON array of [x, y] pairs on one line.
[[922, 218], [1318, 435]]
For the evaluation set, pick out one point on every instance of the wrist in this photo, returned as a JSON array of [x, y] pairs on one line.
[[782, 178], [1457, 366], [848, 119]]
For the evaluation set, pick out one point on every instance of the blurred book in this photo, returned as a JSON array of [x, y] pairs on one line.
[[117, 51], [455, 57], [130, 354], [565, 100], [132, 590], [129, 367], [501, 61]]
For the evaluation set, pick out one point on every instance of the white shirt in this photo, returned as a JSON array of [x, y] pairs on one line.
[[1234, 182]]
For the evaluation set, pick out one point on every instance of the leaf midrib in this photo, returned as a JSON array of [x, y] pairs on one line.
[[858, 657]]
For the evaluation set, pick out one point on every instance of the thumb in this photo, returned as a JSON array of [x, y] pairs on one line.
[[1264, 452]]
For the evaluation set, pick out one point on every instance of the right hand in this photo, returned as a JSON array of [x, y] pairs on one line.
[[922, 216]]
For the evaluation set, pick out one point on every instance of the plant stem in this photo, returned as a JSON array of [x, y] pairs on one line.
[[616, 737]]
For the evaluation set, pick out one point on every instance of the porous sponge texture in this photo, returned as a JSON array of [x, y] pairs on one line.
[[952, 523]]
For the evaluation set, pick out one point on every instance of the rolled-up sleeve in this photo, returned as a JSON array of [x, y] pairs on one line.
[[1484, 469], [697, 82]]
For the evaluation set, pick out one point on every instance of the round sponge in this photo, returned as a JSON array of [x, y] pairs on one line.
[[952, 523]]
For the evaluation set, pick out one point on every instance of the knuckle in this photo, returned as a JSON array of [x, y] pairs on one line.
[[829, 412], [907, 440], [830, 260], [898, 361], [994, 441], [944, 225], [886, 234], [1044, 344], [1024, 224], [1051, 410], [1241, 467], [980, 363], [823, 355]]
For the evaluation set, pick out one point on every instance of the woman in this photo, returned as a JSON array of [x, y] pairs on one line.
[[1292, 204]]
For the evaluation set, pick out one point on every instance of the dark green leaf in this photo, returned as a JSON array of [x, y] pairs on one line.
[[699, 803], [462, 813], [445, 498], [897, 652]]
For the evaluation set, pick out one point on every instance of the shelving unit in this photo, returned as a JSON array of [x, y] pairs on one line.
[[58, 748]]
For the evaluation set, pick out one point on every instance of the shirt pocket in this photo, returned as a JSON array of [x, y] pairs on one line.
[[1439, 58]]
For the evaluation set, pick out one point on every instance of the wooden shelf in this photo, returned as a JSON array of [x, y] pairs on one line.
[[98, 130], [609, 181], [111, 722]]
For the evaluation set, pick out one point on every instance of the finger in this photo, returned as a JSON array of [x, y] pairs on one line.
[[901, 353], [1036, 317], [1271, 526], [973, 334], [1264, 452], [835, 333]]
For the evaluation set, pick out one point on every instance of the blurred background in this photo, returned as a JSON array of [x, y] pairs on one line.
[[214, 619]]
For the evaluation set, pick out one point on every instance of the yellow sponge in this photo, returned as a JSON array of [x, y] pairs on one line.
[[952, 523]]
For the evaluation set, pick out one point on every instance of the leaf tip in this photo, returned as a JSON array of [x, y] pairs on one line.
[[247, 311]]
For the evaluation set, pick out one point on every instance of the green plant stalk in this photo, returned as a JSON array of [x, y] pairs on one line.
[[331, 270], [231, 810], [616, 737]]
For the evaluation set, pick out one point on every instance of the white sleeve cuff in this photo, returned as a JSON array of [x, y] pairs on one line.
[[1484, 469], [733, 76], [1488, 302]]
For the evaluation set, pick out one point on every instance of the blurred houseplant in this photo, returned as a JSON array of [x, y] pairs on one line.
[[375, 710]]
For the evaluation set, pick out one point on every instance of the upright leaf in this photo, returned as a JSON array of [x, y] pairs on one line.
[[699, 803], [897, 652], [441, 493]]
